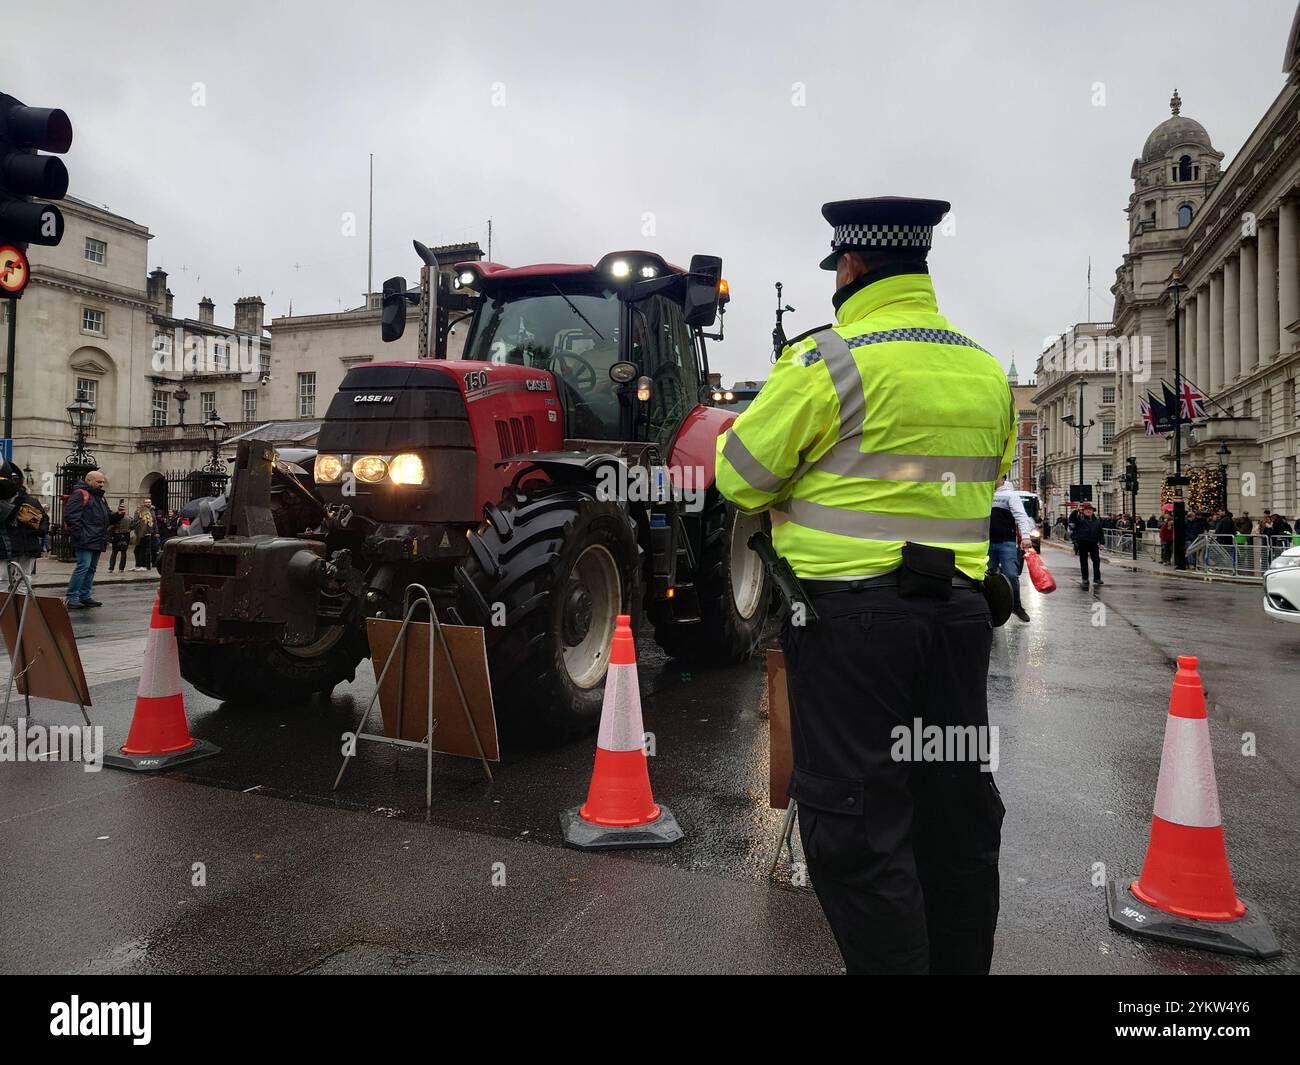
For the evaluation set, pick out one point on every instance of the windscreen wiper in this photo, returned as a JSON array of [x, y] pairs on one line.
[[574, 307]]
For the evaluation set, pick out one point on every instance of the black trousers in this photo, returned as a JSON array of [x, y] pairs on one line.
[[903, 855], [1089, 551]]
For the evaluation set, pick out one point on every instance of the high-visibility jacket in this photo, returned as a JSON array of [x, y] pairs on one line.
[[891, 426]]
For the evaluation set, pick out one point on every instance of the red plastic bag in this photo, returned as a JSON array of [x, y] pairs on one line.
[[1038, 572]]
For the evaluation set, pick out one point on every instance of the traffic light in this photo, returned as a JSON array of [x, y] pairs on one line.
[[1131, 476], [27, 177]]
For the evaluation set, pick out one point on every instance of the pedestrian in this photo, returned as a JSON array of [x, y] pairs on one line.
[[24, 523], [142, 536], [88, 518], [155, 540], [1087, 541], [119, 540], [851, 438], [1166, 541], [1010, 535]]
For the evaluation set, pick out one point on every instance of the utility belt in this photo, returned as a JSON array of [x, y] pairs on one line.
[[925, 573], [818, 588]]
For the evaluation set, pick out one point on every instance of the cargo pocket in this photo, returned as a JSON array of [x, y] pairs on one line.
[[831, 821]]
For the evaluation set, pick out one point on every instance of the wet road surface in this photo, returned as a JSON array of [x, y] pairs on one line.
[[301, 878]]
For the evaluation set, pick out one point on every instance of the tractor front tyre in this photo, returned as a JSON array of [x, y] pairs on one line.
[[265, 673], [555, 569], [734, 592]]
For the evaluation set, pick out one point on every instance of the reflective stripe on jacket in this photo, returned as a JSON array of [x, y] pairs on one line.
[[891, 426]]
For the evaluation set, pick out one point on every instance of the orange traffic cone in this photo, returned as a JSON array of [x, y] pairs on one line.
[[620, 810], [160, 736], [1185, 893]]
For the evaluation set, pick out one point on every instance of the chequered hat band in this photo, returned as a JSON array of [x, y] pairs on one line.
[[882, 236]]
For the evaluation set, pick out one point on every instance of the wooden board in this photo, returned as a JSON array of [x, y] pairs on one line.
[[47, 638], [452, 734], [780, 755]]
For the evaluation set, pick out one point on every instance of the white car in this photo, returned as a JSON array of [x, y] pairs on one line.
[[1282, 587]]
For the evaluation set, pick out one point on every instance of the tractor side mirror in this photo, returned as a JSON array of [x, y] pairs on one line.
[[700, 306], [393, 323]]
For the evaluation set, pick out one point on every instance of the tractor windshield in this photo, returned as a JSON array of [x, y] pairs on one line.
[[574, 335]]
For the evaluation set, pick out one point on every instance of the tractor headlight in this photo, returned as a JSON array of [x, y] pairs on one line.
[[620, 269], [406, 468], [369, 468], [329, 468], [643, 388]]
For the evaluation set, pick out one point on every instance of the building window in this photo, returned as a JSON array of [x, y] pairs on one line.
[[87, 389], [250, 404], [306, 395], [1107, 471], [92, 321], [1265, 413], [160, 405], [162, 342], [96, 250], [263, 362], [207, 403], [1107, 433], [1184, 216], [220, 357], [1108, 393]]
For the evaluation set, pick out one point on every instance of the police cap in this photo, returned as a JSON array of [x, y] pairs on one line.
[[899, 224]]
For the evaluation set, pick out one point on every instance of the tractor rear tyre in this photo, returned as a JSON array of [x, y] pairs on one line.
[[734, 592], [556, 568]]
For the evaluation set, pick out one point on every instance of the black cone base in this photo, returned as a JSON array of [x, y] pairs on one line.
[[663, 831], [150, 763], [1249, 936]]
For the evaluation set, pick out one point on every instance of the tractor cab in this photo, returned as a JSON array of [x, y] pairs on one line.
[[623, 338]]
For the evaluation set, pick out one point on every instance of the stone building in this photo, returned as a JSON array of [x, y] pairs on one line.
[[1077, 364], [84, 326], [1231, 238]]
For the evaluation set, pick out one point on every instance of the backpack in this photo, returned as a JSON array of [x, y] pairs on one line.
[[85, 500]]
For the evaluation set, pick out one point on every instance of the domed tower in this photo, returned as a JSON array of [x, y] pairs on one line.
[[1178, 169]]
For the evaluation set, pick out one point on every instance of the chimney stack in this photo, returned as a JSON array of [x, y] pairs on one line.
[[157, 288], [249, 311], [206, 307]]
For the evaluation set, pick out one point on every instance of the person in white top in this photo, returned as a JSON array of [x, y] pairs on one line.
[[1010, 529]]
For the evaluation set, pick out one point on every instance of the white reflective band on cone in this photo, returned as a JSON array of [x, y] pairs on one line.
[[620, 717], [1187, 793], [161, 674]]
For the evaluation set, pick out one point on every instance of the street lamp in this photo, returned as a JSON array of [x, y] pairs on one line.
[[1082, 427], [1176, 288], [1223, 454], [215, 430]]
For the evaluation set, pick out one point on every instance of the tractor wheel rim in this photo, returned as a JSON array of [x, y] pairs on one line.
[[746, 567], [326, 641], [587, 660]]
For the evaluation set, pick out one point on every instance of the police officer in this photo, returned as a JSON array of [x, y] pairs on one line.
[[875, 445]]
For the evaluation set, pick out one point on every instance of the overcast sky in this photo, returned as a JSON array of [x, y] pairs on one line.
[[575, 125]]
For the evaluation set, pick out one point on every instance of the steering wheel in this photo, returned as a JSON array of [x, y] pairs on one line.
[[582, 376]]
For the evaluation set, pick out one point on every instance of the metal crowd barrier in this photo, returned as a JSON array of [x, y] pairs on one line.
[[1235, 555]]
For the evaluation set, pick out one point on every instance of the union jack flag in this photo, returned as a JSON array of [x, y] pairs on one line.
[[1193, 402], [1147, 422]]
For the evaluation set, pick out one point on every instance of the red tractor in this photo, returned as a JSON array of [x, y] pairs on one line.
[[559, 474]]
